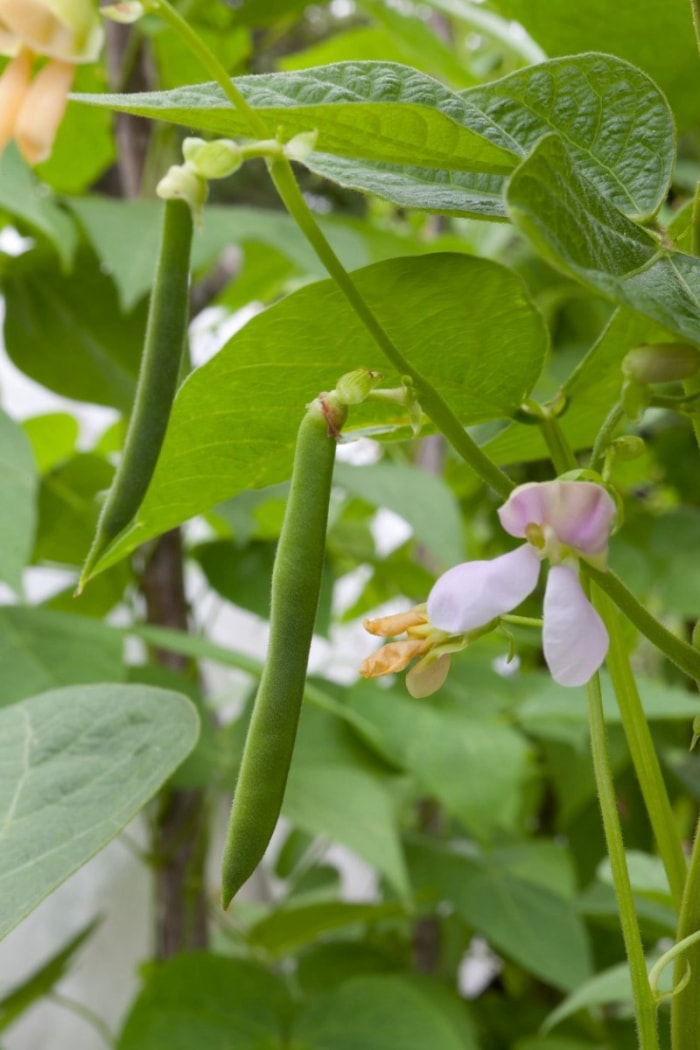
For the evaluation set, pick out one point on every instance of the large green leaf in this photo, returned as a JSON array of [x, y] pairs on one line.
[[615, 122], [198, 1000], [654, 34], [476, 767], [78, 764], [376, 110], [383, 1013], [42, 650], [537, 928], [288, 929], [579, 230], [67, 331], [18, 482], [466, 323]]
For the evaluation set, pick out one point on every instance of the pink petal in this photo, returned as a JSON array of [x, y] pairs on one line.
[[581, 513], [469, 595], [574, 637]]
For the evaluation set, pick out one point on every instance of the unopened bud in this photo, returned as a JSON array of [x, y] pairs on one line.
[[301, 146], [182, 183], [126, 12], [627, 447], [635, 397], [212, 160], [353, 387], [661, 362]]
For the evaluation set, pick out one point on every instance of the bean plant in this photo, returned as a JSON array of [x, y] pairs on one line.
[[460, 243]]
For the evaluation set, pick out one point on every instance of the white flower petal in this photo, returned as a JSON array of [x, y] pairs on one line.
[[574, 637], [580, 513], [469, 595]]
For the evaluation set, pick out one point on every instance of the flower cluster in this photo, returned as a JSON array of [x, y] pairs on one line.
[[66, 32], [563, 521]]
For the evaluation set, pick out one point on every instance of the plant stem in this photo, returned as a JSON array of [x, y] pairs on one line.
[[645, 1007], [685, 1006], [644, 758], [562, 455], [610, 425], [87, 1014]]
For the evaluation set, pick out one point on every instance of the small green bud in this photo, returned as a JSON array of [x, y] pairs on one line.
[[661, 362], [299, 147], [635, 397], [353, 387], [212, 160], [126, 12], [182, 183], [627, 447]]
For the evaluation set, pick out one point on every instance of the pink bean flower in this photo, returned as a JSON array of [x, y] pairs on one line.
[[563, 521]]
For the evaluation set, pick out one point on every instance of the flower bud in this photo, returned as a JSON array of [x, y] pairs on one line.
[[299, 147], [635, 397], [126, 12], [353, 387], [661, 362], [182, 183], [628, 447], [212, 160]]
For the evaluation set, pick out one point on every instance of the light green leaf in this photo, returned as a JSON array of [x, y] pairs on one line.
[[351, 807], [41, 650], [78, 764], [423, 500], [375, 110], [654, 34], [53, 437], [538, 929], [198, 1000], [67, 332], [647, 876], [235, 419], [578, 230], [22, 197], [18, 484], [475, 767], [381, 1013], [611, 986], [289, 929]]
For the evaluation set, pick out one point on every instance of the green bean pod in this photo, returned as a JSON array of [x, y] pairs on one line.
[[157, 382], [296, 581]]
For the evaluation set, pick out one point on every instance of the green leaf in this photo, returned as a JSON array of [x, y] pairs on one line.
[[198, 1000], [611, 986], [536, 928], [68, 333], [422, 499], [578, 230], [654, 34], [69, 508], [289, 929], [53, 437], [381, 1013], [235, 419], [375, 110], [22, 197], [42, 981], [78, 764], [615, 122], [41, 650], [18, 484], [475, 767]]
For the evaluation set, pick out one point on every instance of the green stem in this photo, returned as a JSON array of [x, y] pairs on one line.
[[641, 745], [645, 1007], [605, 434], [164, 10], [562, 456], [685, 1006], [430, 400], [92, 1018], [683, 655]]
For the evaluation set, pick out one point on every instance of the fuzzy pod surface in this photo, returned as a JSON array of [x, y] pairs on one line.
[[296, 582], [157, 382]]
